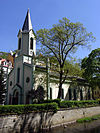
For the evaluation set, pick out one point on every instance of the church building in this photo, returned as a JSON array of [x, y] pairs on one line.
[[21, 79]]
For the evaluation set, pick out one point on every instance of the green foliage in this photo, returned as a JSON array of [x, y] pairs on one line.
[[3, 55], [91, 66], [20, 109], [62, 40], [88, 119], [70, 67], [74, 69], [2, 86], [73, 104], [98, 100], [38, 94], [52, 100]]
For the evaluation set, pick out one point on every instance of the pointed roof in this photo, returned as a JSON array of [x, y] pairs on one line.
[[27, 23]]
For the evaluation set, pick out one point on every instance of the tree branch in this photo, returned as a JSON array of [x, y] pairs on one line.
[[52, 52]]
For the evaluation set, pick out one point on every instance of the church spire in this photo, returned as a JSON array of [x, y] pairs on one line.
[[27, 26]]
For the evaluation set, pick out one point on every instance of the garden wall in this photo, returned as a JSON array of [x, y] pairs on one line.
[[35, 121]]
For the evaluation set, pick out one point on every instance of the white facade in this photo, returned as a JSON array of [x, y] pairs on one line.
[[6, 65]]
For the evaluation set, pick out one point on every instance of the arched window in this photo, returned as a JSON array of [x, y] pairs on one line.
[[18, 75], [81, 94], [50, 93], [10, 83], [19, 44], [15, 97], [31, 43]]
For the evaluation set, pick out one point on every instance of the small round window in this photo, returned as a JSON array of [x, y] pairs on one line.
[[10, 83], [27, 80]]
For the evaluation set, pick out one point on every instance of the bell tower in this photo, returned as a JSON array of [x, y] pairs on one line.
[[20, 80], [26, 38]]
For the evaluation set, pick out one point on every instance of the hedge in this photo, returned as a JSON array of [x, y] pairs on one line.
[[48, 105], [19, 109], [84, 103], [52, 100]]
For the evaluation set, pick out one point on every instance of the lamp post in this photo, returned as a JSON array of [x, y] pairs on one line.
[[48, 78]]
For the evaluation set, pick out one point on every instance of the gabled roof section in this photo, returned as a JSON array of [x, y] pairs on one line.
[[27, 26]]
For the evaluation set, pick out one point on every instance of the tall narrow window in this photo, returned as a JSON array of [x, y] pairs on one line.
[[19, 44], [18, 75], [50, 93], [31, 43], [15, 97], [81, 94]]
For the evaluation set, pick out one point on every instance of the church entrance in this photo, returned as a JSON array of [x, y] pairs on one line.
[[15, 97]]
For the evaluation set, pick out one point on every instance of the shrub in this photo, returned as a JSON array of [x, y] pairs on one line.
[[84, 103], [98, 101], [19, 109], [52, 100]]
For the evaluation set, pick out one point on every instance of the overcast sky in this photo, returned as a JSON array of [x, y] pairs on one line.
[[45, 13]]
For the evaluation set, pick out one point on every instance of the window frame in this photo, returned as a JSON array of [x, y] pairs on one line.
[[19, 44]]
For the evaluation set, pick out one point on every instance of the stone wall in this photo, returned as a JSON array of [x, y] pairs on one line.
[[36, 121]]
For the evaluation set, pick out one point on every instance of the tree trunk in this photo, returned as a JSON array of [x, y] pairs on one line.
[[93, 94], [60, 85]]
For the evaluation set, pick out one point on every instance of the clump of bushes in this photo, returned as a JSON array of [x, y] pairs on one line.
[[72, 104], [84, 103], [47, 105], [20, 109]]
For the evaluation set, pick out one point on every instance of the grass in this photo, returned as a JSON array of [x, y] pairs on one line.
[[88, 119]]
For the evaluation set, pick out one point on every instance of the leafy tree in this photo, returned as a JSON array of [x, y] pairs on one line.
[[91, 66], [3, 55], [38, 95], [2, 87], [61, 41], [72, 68]]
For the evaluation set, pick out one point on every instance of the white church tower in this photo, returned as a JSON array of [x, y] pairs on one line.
[[20, 80], [26, 38]]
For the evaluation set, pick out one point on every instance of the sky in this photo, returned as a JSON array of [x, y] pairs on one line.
[[45, 13]]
